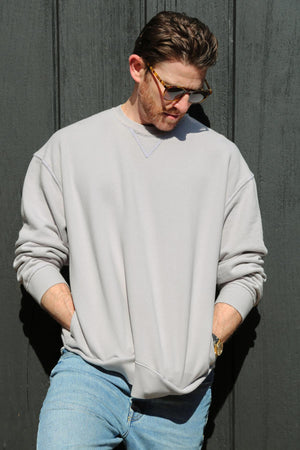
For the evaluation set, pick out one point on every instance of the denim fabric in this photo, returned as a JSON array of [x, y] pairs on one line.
[[88, 407]]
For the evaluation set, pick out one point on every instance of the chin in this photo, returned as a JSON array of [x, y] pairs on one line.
[[166, 125]]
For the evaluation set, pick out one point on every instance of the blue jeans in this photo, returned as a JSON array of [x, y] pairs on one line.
[[88, 407]]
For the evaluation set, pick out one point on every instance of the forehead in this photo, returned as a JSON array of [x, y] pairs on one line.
[[176, 73]]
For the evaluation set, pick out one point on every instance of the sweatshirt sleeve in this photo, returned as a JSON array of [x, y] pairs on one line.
[[42, 246], [241, 274]]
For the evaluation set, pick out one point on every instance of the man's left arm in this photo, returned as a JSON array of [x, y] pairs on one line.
[[240, 270]]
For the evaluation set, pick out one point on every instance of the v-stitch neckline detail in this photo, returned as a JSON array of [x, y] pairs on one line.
[[147, 153]]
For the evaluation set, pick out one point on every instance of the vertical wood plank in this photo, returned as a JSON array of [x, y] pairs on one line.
[[26, 121], [267, 128], [96, 39]]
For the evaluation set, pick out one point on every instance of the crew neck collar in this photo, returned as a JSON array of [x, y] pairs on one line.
[[140, 128]]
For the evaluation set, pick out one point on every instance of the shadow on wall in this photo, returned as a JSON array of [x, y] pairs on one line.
[[196, 111], [42, 331], [229, 366]]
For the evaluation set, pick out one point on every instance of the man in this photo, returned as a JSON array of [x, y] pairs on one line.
[[151, 210]]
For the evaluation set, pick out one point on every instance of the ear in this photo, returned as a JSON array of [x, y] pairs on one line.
[[137, 68]]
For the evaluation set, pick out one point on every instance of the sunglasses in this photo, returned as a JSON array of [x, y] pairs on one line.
[[172, 93]]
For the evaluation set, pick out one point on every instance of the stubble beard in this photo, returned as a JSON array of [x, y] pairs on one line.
[[153, 112]]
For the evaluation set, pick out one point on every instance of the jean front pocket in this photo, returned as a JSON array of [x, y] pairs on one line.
[[66, 355]]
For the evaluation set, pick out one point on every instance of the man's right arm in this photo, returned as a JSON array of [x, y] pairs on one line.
[[58, 302], [42, 248]]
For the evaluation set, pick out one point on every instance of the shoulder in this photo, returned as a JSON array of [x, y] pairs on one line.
[[96, 122], [196, 132], [219, 150], [80, 133]]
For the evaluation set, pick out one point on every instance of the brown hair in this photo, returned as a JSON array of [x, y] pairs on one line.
[[175, 36]]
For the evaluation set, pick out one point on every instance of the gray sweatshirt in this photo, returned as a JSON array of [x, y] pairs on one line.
[[149, 223]]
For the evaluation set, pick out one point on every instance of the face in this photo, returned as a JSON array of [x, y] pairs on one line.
[[152, 108]]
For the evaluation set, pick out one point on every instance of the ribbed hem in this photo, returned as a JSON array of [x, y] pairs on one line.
[[237, 296], [42, 280], [150, 384]]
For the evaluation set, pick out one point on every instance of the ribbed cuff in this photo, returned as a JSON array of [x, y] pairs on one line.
[[237, 296], [42, 280]]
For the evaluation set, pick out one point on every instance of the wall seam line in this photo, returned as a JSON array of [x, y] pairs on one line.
[[233, 65], [56, 66], [233, 135]]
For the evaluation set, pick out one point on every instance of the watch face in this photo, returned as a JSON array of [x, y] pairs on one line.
[[219, 348], [218, 345]]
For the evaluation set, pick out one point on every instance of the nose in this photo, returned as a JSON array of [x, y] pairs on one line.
[[183, 103]]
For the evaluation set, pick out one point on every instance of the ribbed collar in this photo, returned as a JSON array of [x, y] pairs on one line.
[[145, 130]]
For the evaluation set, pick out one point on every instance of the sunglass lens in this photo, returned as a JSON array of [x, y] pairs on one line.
[[173, 93], [196, 97]]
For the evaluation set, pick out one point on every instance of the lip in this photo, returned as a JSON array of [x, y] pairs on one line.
[[172, 116]]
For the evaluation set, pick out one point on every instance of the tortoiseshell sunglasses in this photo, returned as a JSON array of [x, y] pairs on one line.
[[172, 93]]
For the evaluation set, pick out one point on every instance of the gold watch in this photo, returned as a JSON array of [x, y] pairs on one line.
[[218, 345]]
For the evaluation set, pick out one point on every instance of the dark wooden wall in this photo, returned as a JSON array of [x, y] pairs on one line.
[[66, 59]]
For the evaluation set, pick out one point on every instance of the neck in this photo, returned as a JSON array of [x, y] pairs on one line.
[[130, 107]]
